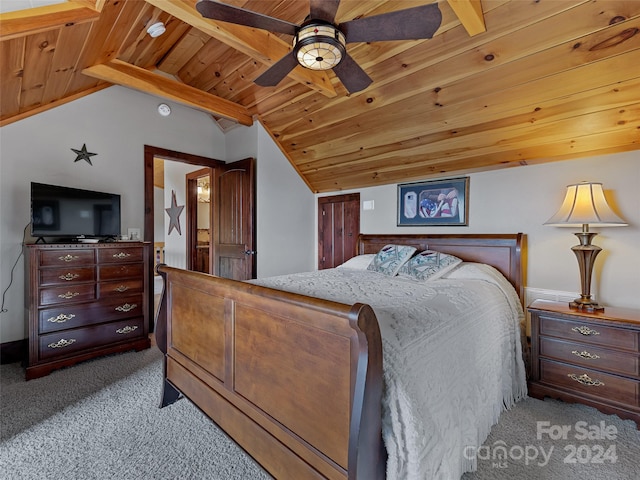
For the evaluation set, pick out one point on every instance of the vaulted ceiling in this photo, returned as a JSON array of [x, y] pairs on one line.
[[501, 84]]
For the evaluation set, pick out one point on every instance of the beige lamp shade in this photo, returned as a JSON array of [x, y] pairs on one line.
[[585, 204]]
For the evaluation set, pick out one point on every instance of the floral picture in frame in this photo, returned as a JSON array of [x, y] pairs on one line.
[[434, 202]]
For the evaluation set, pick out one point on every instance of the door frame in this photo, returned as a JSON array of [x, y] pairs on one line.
[[151, 152]]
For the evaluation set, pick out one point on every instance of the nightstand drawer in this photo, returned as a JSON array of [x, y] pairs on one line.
[[590, 382], [586, 332], [590, 356]]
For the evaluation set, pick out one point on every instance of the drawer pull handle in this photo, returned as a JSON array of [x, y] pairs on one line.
[[127, 329], [63, 317], [68, 258], [69, 276], [121, 255], [585, 379], [68, 295], [62, 343], [586, 331], [121, 288], [126, 307], [585, 354]]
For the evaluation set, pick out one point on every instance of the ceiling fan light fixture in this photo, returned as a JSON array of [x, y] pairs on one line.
[[319, 46]]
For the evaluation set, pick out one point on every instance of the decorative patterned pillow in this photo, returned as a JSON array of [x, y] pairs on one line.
[[390, 259], [359, 262], [429, 265]]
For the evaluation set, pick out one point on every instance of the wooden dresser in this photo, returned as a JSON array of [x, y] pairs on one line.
[[84, 300], [587, 357]]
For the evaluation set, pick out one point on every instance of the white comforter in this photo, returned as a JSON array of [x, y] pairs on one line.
[[452, 359]]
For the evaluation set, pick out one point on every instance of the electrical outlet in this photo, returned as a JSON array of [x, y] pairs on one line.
[[134, 233]]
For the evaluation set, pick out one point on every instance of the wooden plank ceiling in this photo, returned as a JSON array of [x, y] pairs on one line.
[[547, 80]]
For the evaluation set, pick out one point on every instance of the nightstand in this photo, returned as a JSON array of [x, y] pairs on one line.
[[587, 357]]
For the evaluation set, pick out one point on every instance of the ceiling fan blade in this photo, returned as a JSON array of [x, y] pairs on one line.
[[229, 13], [351, 75], [274, 74], [324, 10], [410, 24]]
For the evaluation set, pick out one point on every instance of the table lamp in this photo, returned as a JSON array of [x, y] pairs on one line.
[[585, 205]]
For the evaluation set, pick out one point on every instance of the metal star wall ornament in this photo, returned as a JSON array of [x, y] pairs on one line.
[[174, 214], [83, 154]]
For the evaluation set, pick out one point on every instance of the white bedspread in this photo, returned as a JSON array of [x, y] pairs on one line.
[[452, 359]]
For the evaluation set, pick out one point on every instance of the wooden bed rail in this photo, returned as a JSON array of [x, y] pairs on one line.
[[295, 380]]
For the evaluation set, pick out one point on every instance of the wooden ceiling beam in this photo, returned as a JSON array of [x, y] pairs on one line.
[[41, 19], [260, 45], [470, 14], [125, 74]]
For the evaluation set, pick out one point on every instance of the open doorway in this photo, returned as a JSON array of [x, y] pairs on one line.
[[199, 221], [155, 160], [232, 218]]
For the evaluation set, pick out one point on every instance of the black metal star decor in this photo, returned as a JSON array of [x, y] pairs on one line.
[[174, 214], [83, 154]]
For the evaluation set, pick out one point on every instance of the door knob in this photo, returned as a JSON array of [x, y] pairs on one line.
[[249, 252]]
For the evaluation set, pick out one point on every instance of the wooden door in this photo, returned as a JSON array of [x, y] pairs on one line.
[[234, 234], [338, 229]]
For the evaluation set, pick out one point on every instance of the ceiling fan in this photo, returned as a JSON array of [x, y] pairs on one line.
[[319, 43]]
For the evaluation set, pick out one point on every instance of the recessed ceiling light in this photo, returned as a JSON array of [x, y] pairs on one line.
[[156, 29]]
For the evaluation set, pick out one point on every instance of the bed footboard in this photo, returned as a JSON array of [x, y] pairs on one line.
[[295, 380]]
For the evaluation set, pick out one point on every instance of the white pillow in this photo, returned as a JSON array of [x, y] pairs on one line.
[[359, 262], [429, 265]]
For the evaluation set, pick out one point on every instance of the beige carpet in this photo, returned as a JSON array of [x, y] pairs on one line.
[[100, 420]]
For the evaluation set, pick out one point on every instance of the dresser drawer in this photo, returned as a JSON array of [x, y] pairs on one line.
[[120, 255], [585, 332], [120, 288], [57, 276], [114, 272], [61, 344], [71, 257], [589, 382], [69, 293], [590, 356], [78, 315]]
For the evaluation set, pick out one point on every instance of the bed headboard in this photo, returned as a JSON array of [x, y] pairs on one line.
[[506, 252]]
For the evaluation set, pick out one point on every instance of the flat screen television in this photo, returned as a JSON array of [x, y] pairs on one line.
[[65, 212]]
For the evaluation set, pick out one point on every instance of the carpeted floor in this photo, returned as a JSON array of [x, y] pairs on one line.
[[100, 420]]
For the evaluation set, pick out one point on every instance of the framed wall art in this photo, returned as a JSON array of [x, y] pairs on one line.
[[434, 202]]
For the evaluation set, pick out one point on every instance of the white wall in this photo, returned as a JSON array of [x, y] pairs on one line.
[[521, 199], [175, 243], [285, 218], [115, 123]]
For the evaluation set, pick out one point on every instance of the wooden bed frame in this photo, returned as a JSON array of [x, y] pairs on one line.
[[296, 381]]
